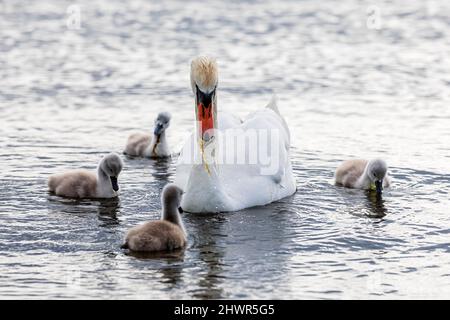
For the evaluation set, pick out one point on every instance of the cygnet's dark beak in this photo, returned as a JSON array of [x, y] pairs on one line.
[[158, 129], [379, 186], [114, 183], [180, 210]]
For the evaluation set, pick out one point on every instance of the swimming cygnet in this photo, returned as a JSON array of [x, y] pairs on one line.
[[144, 145], [162, 235], [85, 184], [363, 174]]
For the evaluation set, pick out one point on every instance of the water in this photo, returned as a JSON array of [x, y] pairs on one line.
[[348, 90]]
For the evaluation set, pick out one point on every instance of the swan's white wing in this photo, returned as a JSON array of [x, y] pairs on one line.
[[228, 121], [273, 181]]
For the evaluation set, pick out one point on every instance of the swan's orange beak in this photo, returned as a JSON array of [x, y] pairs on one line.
[[205, 114]]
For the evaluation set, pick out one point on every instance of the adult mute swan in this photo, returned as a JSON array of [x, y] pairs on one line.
[[363, 174], [228, 164], [144, 145], [85, 184], [161, 235]]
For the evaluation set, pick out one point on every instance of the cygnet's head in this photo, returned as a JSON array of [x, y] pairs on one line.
[[162, 122], [204, 79], [112, 165], [376, 171], [171, 200]]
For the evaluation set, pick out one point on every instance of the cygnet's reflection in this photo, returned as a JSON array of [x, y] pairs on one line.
[[375, 204], [161, 170], [172, 271], [108, 207]]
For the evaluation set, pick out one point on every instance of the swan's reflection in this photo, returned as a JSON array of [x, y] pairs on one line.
[[105, 207], [207, 228], [375, 204], [172, 274], [170, 256], [367, 204], [107, 210], [108, 207], [235, 245]]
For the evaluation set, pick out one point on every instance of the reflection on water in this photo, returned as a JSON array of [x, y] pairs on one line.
[[376, 204], [109, 207], [161, 170], [70, 96], [210, 252], [176, 255]]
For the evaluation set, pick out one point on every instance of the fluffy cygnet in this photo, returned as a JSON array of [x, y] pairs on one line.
[[162, 235], [85, 184], [155, 146], [363, 174]]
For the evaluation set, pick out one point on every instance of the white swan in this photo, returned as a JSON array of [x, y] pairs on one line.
[[85, 184], [161, 235], [220, 175], [363, 174], [156, 146]]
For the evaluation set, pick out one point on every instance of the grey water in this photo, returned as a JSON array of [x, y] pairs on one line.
[[354, 79]]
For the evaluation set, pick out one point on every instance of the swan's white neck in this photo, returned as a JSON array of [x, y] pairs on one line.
[[204, 191]]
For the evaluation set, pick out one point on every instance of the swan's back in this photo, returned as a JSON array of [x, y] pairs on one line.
[[158, 235], [74, 184], [348, 173], [137, 143]]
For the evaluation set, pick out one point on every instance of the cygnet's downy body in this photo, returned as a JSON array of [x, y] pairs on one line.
[[86, 184], [363, 174], [151, 146], [166, 234]]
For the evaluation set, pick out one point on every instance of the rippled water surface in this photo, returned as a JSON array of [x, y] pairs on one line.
[[349, 87]]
